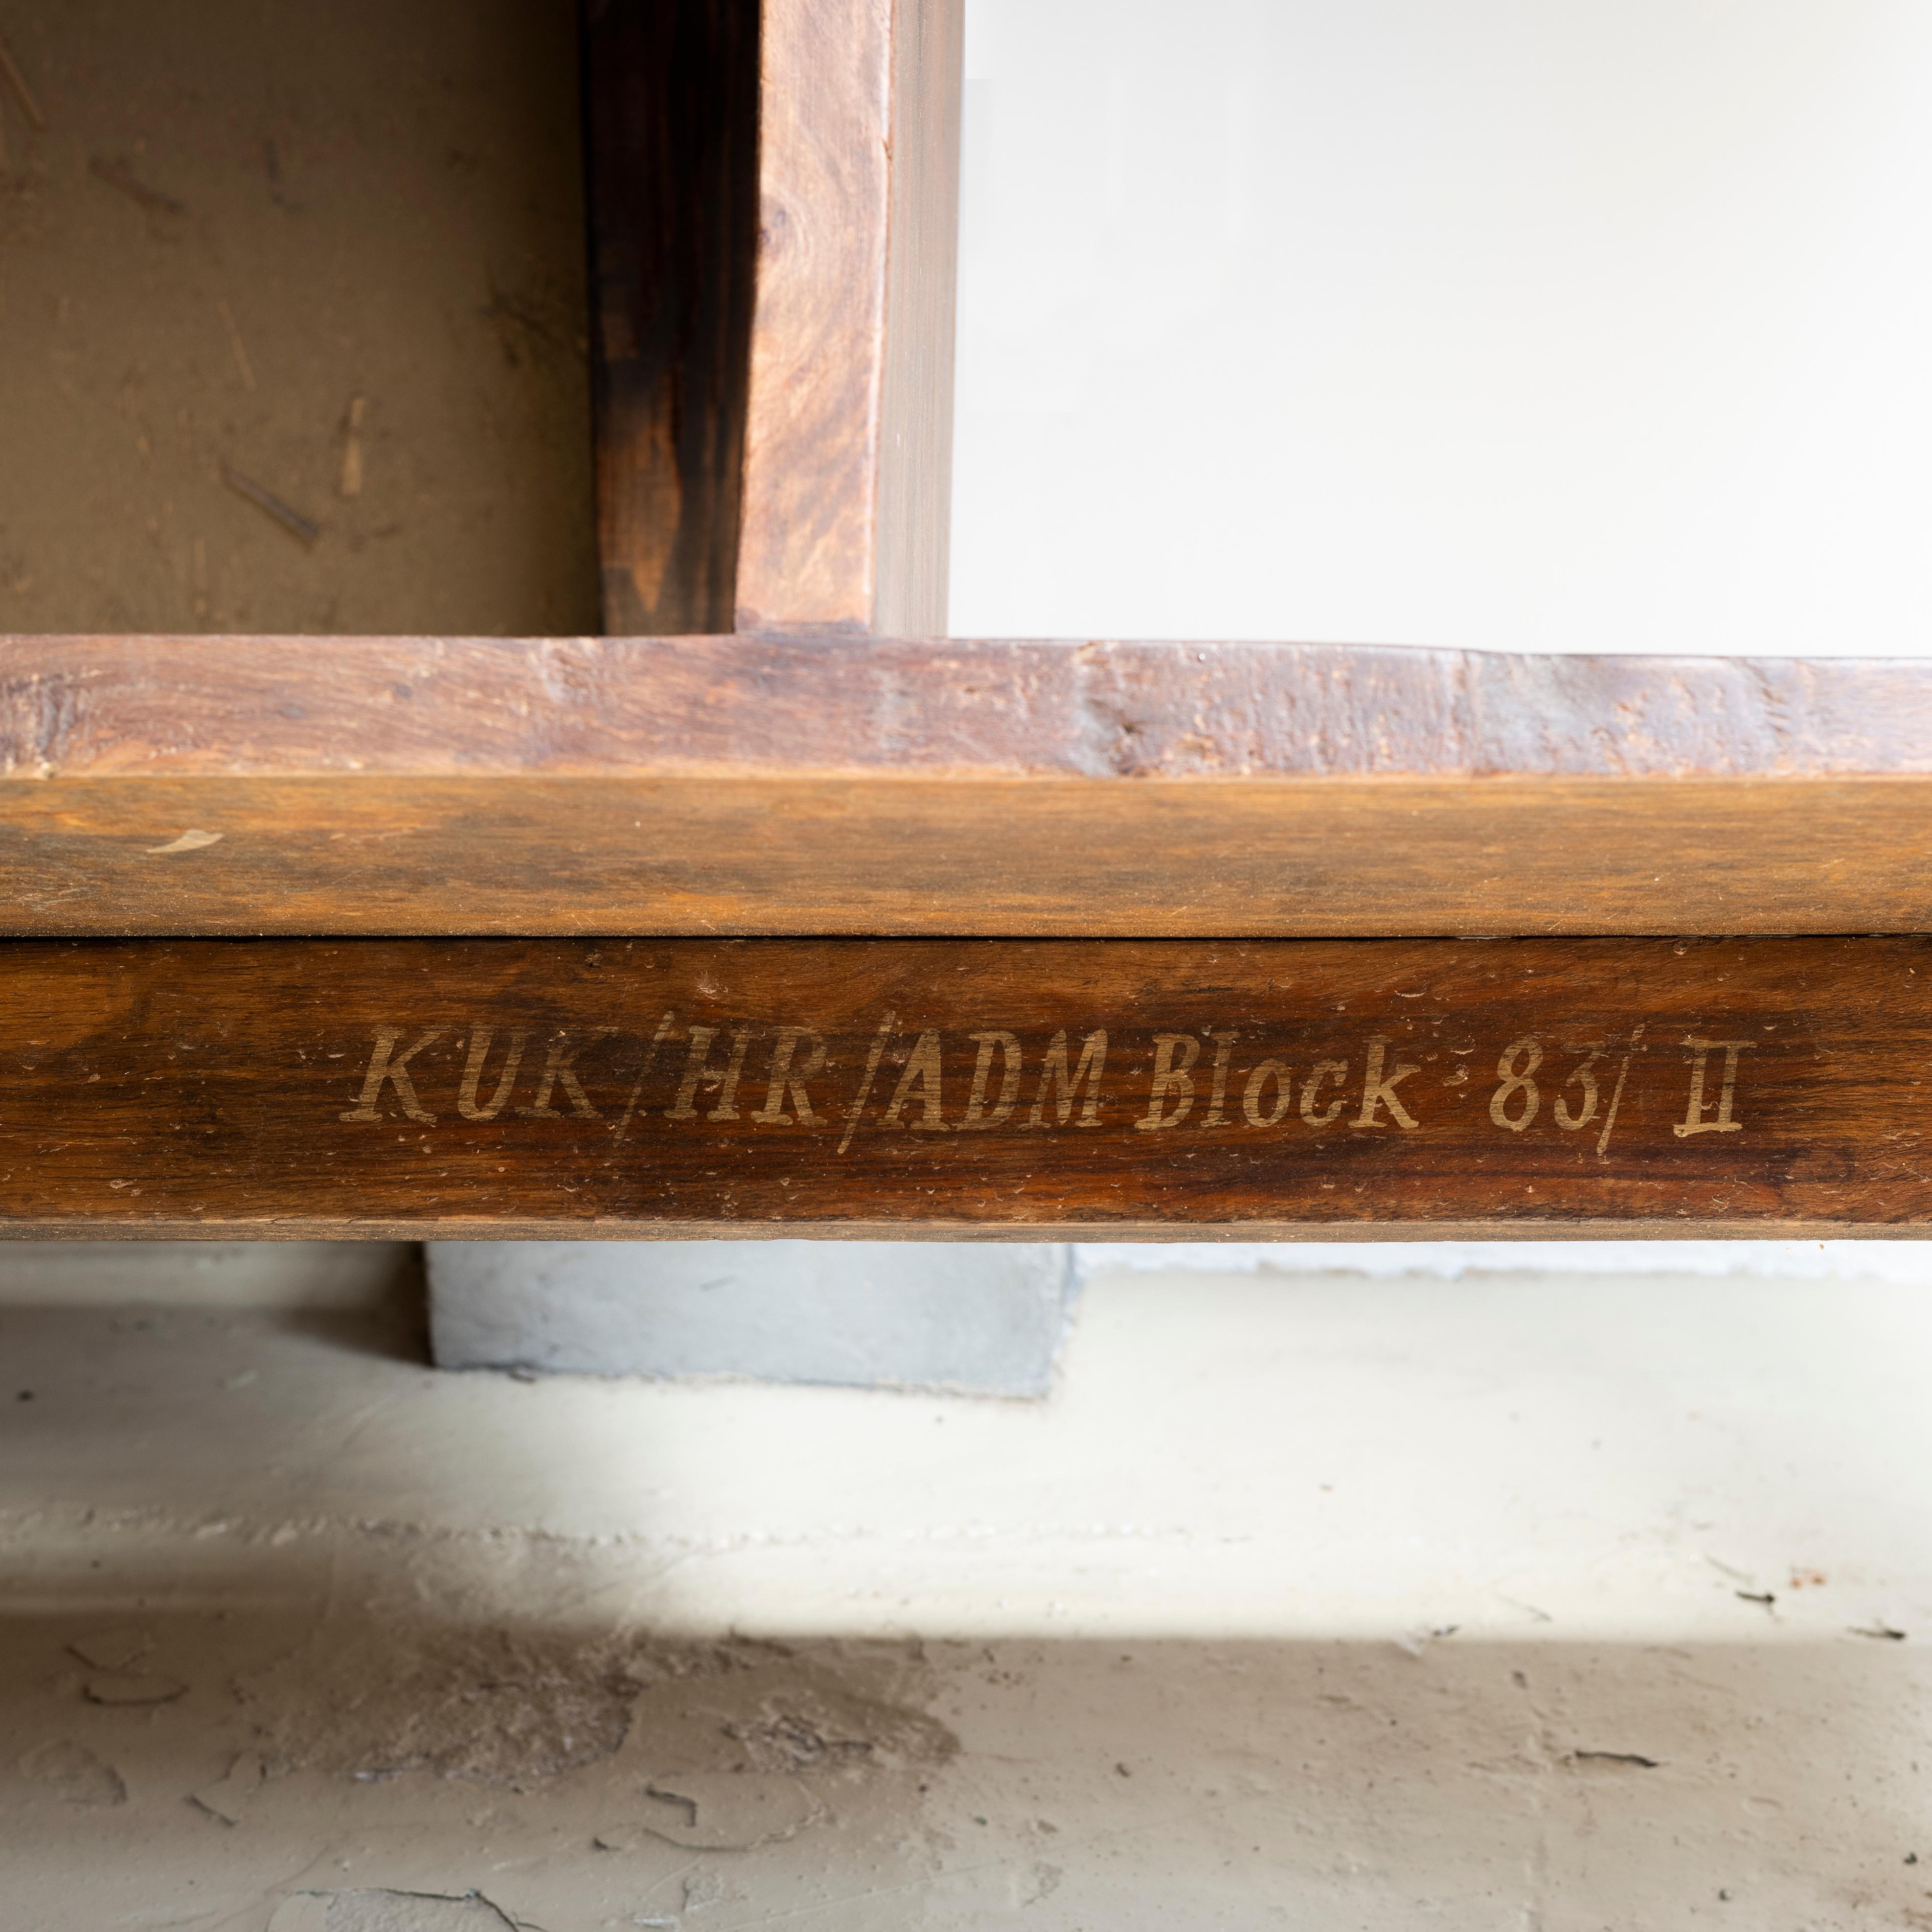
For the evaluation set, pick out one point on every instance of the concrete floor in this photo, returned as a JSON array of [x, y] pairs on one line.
[[1316, 1601]]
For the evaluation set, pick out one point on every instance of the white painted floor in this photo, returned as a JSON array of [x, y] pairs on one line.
[[1317, 1601]]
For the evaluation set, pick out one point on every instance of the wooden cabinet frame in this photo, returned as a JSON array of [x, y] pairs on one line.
[[783, 914]]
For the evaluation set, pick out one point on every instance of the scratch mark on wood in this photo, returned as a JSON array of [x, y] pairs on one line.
[[190, 841]]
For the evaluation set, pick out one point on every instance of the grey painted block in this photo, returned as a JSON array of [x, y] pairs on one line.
[[985, 1318]]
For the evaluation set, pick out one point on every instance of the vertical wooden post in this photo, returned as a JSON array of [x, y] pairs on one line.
[[848, 437], [671, 97], [915, 494], [775, 221]]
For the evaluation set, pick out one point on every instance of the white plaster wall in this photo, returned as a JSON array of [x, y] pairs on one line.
[[1536, 325], [1899, 1263]]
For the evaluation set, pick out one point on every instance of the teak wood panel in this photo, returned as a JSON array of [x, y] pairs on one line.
[[848, 419], [763, 785], [932, 1087], [1285, 858]]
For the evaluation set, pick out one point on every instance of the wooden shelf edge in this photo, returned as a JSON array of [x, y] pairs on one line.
[[757, 784], [764, 705]]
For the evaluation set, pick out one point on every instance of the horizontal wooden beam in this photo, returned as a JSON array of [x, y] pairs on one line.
[[775, 785], [1026, 1089]]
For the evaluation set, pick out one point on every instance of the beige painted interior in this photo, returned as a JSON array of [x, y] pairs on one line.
[[242, 215]]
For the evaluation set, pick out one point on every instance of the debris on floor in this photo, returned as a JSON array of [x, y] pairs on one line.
[[1239, 1614]]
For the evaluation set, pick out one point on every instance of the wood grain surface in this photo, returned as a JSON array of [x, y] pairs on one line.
[[915, 497], [760, 785], [829, 541], [1280, 858], [1024, 1089], [671, 99], [718, 706]]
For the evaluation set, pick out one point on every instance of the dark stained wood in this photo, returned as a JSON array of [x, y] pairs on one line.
[[671, 90], [741, 784], [1305, 1089], [847, 451]]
